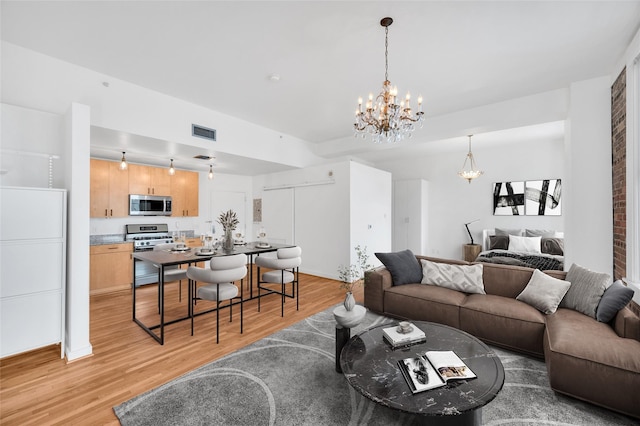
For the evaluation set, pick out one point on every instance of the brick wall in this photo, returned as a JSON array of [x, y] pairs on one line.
[[619, 174]]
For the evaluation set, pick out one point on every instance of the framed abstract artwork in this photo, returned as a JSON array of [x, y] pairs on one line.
[[508, 198], [543, 197]]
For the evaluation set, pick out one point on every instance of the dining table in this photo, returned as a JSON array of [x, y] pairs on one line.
[[188, 256]]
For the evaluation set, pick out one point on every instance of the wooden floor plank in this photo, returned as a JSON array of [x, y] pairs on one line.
[[38, 388]]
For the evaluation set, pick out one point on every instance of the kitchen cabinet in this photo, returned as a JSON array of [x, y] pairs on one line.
[[109, 189], [111, 267], [147, 180], [184, 193], [33, 237]]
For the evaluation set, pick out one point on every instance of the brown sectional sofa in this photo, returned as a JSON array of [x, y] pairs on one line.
[[586, 359]]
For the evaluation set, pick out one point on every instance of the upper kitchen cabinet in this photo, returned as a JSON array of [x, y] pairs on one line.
[[149, 180], [109, 189], [184, 193]]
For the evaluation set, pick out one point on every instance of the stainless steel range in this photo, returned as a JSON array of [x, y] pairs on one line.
[[144, 238]]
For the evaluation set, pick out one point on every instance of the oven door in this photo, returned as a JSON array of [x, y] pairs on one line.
[[146, 272]]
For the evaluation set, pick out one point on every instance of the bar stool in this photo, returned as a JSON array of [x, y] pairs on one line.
[[222, 272], [172, 273], [284, 271]]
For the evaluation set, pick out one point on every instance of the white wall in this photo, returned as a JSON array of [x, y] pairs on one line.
[[371, 211], [452, 201], [28, 138], [589, 233]]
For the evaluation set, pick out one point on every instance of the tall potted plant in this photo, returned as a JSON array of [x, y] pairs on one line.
[[353, 275]]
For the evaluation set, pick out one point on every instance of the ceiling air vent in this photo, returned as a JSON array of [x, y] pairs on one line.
[[203, 132]]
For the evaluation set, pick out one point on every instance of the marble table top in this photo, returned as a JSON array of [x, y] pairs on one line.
[[370, 366]]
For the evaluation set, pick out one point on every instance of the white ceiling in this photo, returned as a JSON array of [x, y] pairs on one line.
[[456, 54]]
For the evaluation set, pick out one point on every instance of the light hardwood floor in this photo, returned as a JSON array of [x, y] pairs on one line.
[[38, 388]]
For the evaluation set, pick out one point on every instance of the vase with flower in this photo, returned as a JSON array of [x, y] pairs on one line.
[[349, 314], [229, 221]]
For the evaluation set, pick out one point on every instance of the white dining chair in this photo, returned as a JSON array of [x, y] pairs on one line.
[[284, 270], [222, 272], [172, 273]]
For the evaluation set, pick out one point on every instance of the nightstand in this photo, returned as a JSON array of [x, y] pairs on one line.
[[471, 251]]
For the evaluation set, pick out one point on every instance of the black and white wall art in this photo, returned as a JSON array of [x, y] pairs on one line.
[[543, 197], [508, 198]]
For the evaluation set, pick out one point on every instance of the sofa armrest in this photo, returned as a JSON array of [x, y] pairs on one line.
[[376, 281], [627, 324]]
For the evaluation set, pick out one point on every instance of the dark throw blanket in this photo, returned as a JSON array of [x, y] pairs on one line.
[[542, 263]]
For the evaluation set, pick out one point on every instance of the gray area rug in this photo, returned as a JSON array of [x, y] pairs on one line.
[[289, 378]]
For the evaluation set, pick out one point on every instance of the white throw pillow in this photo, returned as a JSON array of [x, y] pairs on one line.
[[465, 278], [544, 292], [524, 244]]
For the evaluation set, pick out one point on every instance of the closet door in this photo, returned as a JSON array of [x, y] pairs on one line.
[[278, 215]]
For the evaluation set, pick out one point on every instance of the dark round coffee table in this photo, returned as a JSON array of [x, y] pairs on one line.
[[370, 366]]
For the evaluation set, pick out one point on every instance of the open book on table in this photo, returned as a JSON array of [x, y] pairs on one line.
[[433, 369]]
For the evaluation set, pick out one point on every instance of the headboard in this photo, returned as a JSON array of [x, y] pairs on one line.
[[486, 233]]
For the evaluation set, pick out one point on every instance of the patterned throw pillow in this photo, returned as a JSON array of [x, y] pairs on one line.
[[587, 288], [465, 278]]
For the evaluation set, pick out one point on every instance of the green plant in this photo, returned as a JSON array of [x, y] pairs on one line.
[[353, 274]]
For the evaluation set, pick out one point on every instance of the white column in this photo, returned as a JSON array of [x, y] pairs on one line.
[[77, 141]]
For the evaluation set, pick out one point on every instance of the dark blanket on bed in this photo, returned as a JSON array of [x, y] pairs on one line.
[[520, 259]]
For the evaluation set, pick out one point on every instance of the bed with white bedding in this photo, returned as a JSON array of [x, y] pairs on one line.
[[533, 248]]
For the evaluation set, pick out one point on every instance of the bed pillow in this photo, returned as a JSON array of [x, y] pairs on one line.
[[500, 231], [403, 266], [616, 297], [587, 288], [552, 246], [465, 278], [544, 292], [524, 244], [539, 233], [498, 242]]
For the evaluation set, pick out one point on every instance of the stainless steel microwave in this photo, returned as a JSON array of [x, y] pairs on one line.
[[149, 205]]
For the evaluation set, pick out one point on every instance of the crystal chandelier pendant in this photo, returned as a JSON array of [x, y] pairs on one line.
[[470, 170], [384, 118]]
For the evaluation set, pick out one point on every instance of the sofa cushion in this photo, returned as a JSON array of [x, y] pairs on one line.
[[403, 265], [544, 292], [504, 322], [465, 278], [424, 303], [586, 359], [616, 297], [587, 287]]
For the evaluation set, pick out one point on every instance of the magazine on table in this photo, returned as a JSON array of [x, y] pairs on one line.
[[397, 336], [433, 369]]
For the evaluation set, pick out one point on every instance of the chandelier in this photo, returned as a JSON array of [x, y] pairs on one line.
[[469, 168], [383, 118]]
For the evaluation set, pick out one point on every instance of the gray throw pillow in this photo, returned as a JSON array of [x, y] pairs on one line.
[[587, 288], [616, 297], [517, 232], [403, 266], [544, 292], [552, 246], [539, 233], [465, 278], [499, 242]]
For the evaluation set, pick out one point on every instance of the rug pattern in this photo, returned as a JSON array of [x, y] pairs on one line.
[[289, 378]]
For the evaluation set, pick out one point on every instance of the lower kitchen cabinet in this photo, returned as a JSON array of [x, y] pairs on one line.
[[111, 267]]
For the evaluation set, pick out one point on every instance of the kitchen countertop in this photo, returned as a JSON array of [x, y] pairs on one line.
[[97, 240]]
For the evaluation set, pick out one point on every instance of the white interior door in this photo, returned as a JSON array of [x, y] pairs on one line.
[[277, 215]]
